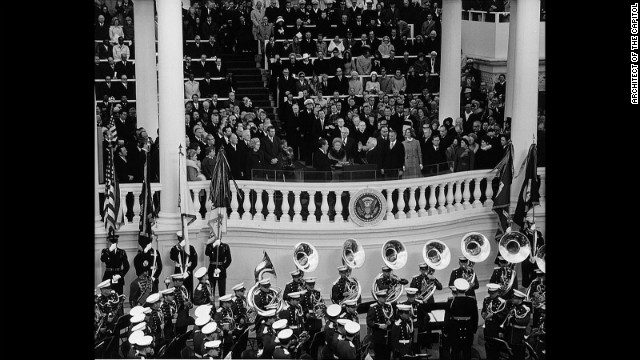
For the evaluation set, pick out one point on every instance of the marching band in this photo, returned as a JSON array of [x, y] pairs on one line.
[[295, 322]]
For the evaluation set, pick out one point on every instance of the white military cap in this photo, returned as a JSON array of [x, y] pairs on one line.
[[135, 337], [295, 272], [350, 302], [279, 324], [140, 326], [352, 327], [342, 322], [136, 310], [403, 307], [310, 280], [411, 291], [381, 292], [104, 284], [225, 298], [493, 287], [145, 340], [285, 334], [138, 318], [203, 320], [461, 284], [153, 298], [146, 310], [333, 310], [209, 328], [308, 101], [269, 313], [178, 276], [212, 344], [265, 281], [238, 287], [168, 291], [294, 295], [519, 294], [203, 310], [342, 268], [200, 272]]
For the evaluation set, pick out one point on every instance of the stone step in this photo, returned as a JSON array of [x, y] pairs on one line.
[[251, 84], [245, 71]]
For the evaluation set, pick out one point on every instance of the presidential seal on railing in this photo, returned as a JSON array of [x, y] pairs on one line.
[[367, 207]]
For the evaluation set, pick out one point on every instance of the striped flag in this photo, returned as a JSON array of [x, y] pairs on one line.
[[113, 212], [503, 195]]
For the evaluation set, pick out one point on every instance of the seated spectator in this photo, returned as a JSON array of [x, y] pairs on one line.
[[336, 43], [104, 50], [191, 87], [193, 166], [101, 29], [385, 48], [355, 83], [399, 83], [347, 62], [413, 81], [115, 31], [124, 67], [209, 162], [373, 86], [363, 62]]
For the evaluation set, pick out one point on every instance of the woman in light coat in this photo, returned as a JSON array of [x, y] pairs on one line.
[[412, 155], [256, 18]]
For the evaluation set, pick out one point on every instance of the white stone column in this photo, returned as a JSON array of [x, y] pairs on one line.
[[99, 225], [450, 57], [145, 65], [511, 61], [171, 95], [525, 90]]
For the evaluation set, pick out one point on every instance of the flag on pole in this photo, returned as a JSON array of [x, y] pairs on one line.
[[113, 212], [220, 193], [147, 211], [530, 191], [502, 198], [185, 202]]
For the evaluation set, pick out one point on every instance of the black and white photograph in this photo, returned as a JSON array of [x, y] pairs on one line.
[[324, 179]]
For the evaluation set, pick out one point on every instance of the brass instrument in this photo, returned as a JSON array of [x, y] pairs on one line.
[[251, 313], [437, 256], [514, 247], [469, 274], [275, 295], [475, 247], [353, 256], [540, 257], [536, 293], [497, 305], [507, 278], [305, 257], [394, 255], [518, 311], [145, 290]]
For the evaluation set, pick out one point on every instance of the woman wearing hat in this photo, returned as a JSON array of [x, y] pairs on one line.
[[373, 86], [355, 83], [464, 157], [279, 29], [337, 155]]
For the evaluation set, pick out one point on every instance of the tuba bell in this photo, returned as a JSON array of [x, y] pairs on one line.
[[514, 247], [436, 254], [305, 257], [394, 255], [276, 294], [475, 247], [353, 257], [540, 258]]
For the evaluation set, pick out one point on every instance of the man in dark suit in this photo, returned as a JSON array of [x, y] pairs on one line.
[[101, 30], [218, 70], [321, 160], [104, 50], [286, 83], [196, 48], [212, 48], [124, 87], [105, 88], [393, 157], [307, 140], [124, 67], [321, 127], [121, 165], [324, 85], [433, 154], [335, 62], [383, 138], [235, 157], [201, 67], [339, 82], [270, 146], [433, 64], [109, 68], [294, 127], [349, 144], [206, 85]]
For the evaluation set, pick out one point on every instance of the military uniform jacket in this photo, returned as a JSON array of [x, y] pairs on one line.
[[292, 286], [339, 287], [198, 342], [419, 315], [157, 324], [492, 324], [181, 297], [401, 337], [517, 325], [239, 308], [281, 352], [307, 302], [496, 278], [168, 311], [261, 299], [346, 349], [202, 294], [268, 341], [461, 320], [330, 339], [416, 282], [221, 261], [295, 318], [116, 262], [181, 255], [356, 338], [379, 314], [221, 314], [457, 274]]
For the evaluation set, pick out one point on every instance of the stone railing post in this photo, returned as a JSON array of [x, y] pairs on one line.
[[412, 203], [311, 207], [324, 207], [432, 200], [466, 194], [258, 216], [338, 207], [271, 206], [390, 204], [297, 207], [458, 196], [442, 209], [235, 215], [422, 202], [401, 214], [477, 193], [450, 207], [285, 217]]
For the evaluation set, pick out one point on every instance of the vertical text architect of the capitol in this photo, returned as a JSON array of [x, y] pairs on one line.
[[634, 54]]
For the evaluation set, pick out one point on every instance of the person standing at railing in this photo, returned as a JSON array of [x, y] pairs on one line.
[[393, 157], [412, 155], [434, 154]]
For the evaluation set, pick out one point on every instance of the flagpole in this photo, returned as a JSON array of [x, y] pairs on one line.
[[533, 210], [182, 267]]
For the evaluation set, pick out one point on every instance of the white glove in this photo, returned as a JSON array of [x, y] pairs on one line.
[[533, 227], [508, 230], [115, 278], [147, 248], [217, 271], [113, 247]]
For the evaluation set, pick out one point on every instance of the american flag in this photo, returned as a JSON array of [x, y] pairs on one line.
[[113, 214], [147, 211]]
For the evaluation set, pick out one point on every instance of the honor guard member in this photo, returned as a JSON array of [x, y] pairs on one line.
[[350, 312], [210, 332], [494, 311], [219, 260], [424, 279], [389, 280], [142, 286], [379, 321], [281, 351], [461, 321], [339, 288], [293, 313], [402, 332], [501, 275], [347, 348], [465, 271], [529, 265], [202, 294], [418, 316], [184, 263], [518, 318], [265, 334], [330, 331], [225, 318], [198, 336], [144, 347], [148, 259], [115, 262], [212, 350], [296, 284], [169, 311], [183, 304], [156, 325]]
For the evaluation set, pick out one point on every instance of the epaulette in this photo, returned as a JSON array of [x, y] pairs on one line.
[[398, 322]]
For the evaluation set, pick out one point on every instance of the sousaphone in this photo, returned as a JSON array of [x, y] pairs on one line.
[[305, 257], [394, 255], [475, 247], [353, 257], [514, 247]]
